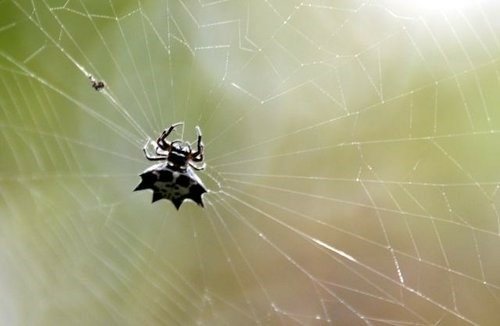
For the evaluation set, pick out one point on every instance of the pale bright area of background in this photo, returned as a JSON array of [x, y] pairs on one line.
[[351, 148]]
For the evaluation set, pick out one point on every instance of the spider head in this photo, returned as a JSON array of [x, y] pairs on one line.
[[179, 154]]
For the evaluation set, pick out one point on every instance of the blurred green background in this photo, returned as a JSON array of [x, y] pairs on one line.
[[351, 148]]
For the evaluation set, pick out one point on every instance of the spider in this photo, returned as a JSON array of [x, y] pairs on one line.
[[178, 154], [174, 179]]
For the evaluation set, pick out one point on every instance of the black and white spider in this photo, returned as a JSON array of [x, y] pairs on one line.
[[174, 179]]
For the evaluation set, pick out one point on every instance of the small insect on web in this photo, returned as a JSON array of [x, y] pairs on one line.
[[98, 85], [174, 179]]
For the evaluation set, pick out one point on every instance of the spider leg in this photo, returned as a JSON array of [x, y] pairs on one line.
[[198, 158], [198, 155], [159, 157], [153, 158], [197, 168], [160, 151], [161, 141]]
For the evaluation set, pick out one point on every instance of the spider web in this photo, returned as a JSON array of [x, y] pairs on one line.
[[351, 150]]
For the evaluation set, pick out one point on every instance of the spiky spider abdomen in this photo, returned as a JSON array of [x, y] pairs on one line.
[[174, 179], [175, 186]]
